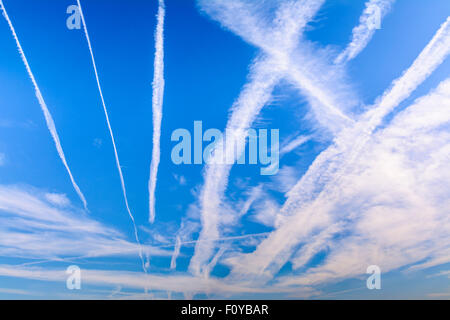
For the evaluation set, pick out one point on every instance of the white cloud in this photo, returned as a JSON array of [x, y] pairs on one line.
[[157, 106], [393, 202], [266, 212], [47, 115], [173, 283], [293, 144], [181, 180], [32, 226], [369, 22], [282, 57], [285, 179], [116, 155], [309, 207], [58, 199]]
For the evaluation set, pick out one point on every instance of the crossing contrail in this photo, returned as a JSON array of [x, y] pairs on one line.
[[308, 201], [265, 73], [157, 104], [48, 117], [119, 169]]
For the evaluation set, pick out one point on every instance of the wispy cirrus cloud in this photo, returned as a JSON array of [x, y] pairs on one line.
[[369, 22], [292, 144], [186, 284], [397, 195], [378, 193], [58, 199], [276, 29]]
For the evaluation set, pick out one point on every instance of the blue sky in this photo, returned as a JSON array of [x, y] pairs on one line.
[[364, 140]]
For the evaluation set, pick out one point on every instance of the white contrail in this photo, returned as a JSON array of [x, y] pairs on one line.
[[265, 74], [176, 253], [244, 19], [305, 70], [369, 22], [48, 117], [294, 143], [119, 169], [254, 96], [428, 60], [231, 238], [157, 104], [303, 206]]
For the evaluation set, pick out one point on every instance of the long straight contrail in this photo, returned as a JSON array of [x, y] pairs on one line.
[[119, 169], [157, 104], [48, 117]]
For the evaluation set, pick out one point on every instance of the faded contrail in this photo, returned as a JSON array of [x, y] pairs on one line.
[[48, 117], [231, 238], [157, 103], [266, 72], [306, 205], [369, 22], [176, 253], [119, 169], [256, 94]]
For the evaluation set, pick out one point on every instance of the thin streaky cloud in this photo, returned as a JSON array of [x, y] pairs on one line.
[[119, 169], [48, 117], [254, 96], [291, 18], [429, 59], [157, 106], [403, 220], [223, 239], [328, 96], [294, 144], [214, 261], [155, 282], [282, 42], [265, 74], [317, 244], [33, 227], [354, 185], [176, 252], [368, 23], [304, 206]]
